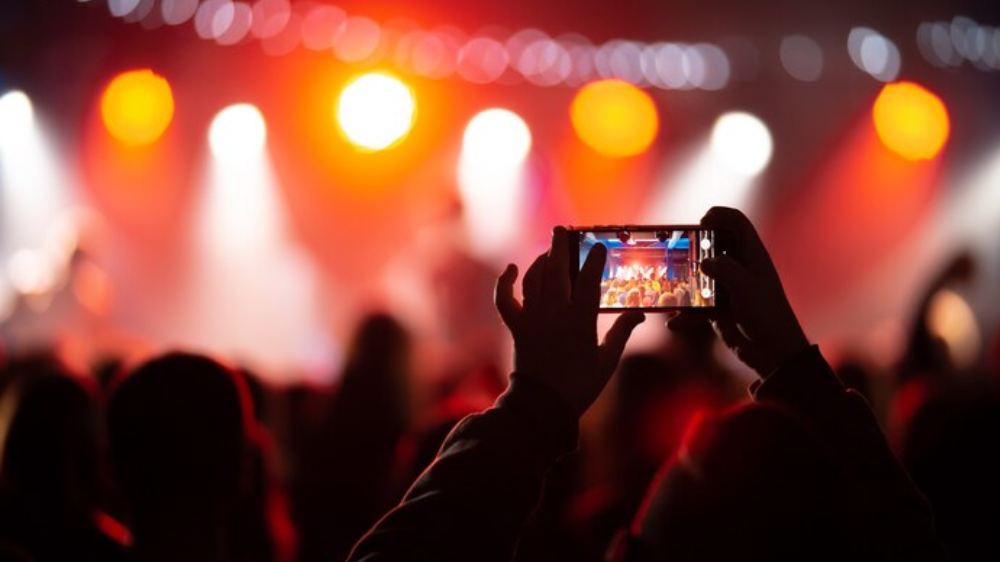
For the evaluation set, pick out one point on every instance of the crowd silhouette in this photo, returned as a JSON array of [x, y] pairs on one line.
[[185, 457]]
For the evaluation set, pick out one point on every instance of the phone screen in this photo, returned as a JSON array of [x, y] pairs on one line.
[[651, 268]]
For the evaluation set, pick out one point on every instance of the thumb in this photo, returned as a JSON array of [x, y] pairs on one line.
[[614, 341], [503, 296], [729, 272]]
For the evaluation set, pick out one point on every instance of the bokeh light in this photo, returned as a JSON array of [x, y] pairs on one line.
[[237, 133], [802, 57], [482, 60], [950, 318], [742, 142], [176, 12], [32, 272], [356, 39], [16, 117], [137, 107], [376, 111], [911, 121], [874, 53], [320, 27], [492, 179], [122, 8], [496, 138], [615, 118]]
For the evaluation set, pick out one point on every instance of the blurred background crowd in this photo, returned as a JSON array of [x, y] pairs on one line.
[[319, 195]]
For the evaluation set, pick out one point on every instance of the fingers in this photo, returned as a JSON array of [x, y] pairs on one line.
[[503, 296], [729, 272], [556, 286], [729, 219], [531, 286], [587, 291], [686, 321], [730, 333], [748, 246], [736, 340], [614, 341]]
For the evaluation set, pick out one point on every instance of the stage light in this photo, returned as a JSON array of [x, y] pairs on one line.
[[375, 111], [122, 8], [491, 179], [545, 63], [961, 27], [356, 39], [581, 54], [615, 118], [33, 186], [802, 57], [176, 12], [271, 17], [621, 60], [911, 121], [240, 21], [482, 60], [742, 142], [214, 18], [496, 138], [137, 107], [950, 318], [320, 26], [433, 54], [715, 65], [666, 67], [237, 133], [874, 53], [8, 300], [32, 272], [16, 118], [245, 256]]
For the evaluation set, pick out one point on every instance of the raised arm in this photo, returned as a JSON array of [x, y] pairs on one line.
[[760, 327], [473, 500]]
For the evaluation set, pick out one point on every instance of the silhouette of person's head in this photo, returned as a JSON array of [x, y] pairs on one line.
[[948, 450], [650, 408], [178, 427], [753, 484], [378, 367], [50, 448], [50, 470]]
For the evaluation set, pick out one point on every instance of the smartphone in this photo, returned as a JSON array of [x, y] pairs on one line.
[[651, 268]]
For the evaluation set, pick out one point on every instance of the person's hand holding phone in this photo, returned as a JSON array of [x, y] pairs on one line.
[[758, 323], [555, 328]]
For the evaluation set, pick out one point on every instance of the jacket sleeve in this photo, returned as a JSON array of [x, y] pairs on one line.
[[473, 500], [843, 419]]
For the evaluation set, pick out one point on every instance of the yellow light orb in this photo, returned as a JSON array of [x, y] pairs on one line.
[[137, 107], [911, 121], [615, 118], [376, 111]]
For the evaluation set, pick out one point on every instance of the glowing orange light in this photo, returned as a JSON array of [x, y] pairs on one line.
[[137, 107], [615, 118], [911, 121]]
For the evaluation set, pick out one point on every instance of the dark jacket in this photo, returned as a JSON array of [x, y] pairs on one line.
[[473, 500]]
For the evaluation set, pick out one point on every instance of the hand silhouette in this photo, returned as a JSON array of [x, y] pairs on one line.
[[555, 328], [758, 323]]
